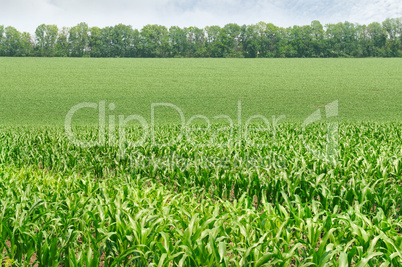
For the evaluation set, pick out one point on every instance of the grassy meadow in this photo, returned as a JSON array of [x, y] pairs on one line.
[[308, 189], [40, 91]]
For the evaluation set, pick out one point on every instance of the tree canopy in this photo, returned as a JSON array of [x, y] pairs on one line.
[[256, 40]]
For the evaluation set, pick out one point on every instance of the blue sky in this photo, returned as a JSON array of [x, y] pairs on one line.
[[26, 15]]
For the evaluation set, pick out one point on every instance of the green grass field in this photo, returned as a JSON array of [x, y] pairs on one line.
[[328, 193], [40, 91]]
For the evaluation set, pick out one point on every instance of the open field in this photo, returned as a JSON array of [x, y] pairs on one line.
[[280, 193], [40, 91]]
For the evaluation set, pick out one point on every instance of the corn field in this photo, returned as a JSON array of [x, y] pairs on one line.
[[208, 197]]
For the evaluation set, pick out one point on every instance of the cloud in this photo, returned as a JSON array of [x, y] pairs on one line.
[[377, 10], [26, 15]]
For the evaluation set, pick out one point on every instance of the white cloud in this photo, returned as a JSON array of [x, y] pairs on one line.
[[26, 15], [377, 10]]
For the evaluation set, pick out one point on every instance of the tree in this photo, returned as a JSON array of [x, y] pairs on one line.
[[273, 38], [61, 47], [196, 42], [178, 42], [300, 39], [12, 42], [334, 39], [282, 41], [95, 42], [214, 45], [26, 47], [106, 42], [124, 40], [317, 41], [79, 40], [361, 40], [46, 37], [249, 40], [377, 37], [118, 41], [2, 38], [349, 41], [393, 28], [154, 40], [258, 40], [230, 35]]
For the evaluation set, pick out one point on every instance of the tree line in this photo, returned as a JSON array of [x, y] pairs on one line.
[[250, 41]]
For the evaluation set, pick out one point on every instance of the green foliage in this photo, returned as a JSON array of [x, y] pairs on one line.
[[78, 40], [12, 41], [178, 41], [62, 46], [26, 47], [2, 53], [210, 87], [46, 38], [269, 202], [256, 40], [201, 196], [154, 41]]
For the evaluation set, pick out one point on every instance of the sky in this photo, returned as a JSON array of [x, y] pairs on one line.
[[26, 15]]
